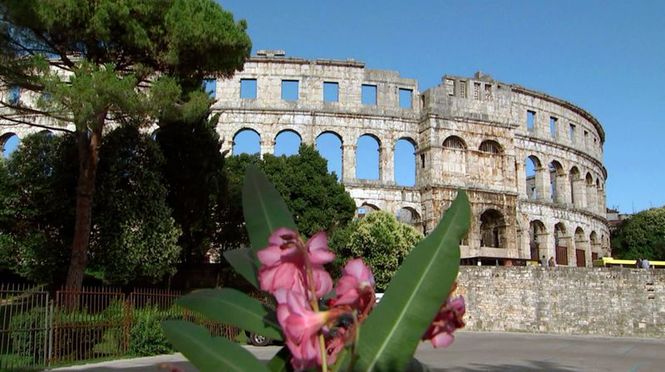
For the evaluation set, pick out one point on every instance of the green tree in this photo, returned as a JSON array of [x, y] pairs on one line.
[[37, 207], [380, 240], [194, 171], [88, 63], [134, 235], [641, 236], [314, 196]]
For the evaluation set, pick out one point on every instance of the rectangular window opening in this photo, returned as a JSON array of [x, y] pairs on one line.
[[571, 133], [368, 94], [330, 91], [14, 95], [422, 160], [553, 122], [290, 90], [462, 88], [450, 87], [476, 91], [405, 98], [248, 88], [530, 120], [210, 87], [488, 92]]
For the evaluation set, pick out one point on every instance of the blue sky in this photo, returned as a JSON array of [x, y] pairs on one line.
[[605, 56]]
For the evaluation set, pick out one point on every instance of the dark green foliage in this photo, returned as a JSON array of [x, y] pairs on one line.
[[641, 236], [134, 235], [28, 332], [37, 207], [146, 336], [380, 240], [194, 173], [314, 196]]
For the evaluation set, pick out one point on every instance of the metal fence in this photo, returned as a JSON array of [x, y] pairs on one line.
[[38, 330]]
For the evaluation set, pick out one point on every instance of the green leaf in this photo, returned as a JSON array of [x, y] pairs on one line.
[[230, 306], [263, 208], [280, 362], [244, 263], [391, 333], [209, 353]]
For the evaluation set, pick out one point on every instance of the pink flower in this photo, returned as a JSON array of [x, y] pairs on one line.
[[317, 249], [297, 318], [356, 278], [305, 355], [446, 321]]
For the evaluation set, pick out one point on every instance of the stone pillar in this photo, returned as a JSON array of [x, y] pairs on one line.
[[267, 147], [591, 195], [348, 163], [578, 190], [521, 180], [387, 163], [543, 184], [562, 189]]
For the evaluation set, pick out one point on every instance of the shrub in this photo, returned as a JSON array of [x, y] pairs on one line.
[[146, 337], [28, 330]]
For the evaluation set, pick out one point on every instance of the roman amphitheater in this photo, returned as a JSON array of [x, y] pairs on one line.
[[531, 163]]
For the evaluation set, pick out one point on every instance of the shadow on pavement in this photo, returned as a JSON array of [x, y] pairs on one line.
[[533, 365]]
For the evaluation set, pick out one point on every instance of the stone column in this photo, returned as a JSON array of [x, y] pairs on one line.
[[348, 163], [267, 147], [591, 194], [578, 190], [521, 180], [562, 189], [387, 163], [543, 184]]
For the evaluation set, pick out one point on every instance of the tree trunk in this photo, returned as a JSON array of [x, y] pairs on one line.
[[88, 148]]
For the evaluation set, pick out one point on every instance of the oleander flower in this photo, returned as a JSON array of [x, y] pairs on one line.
[[446, 321]]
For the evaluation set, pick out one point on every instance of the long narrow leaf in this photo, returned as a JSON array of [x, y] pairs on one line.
[[209, 353], [391, 333], [244, 263], [263, 208], [230, 306]]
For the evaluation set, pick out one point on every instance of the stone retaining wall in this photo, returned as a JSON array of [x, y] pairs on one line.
[[565, 300]]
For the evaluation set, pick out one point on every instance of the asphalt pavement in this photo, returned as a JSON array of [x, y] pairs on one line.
[[479, 351]]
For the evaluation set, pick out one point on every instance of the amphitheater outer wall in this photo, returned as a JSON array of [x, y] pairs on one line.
[[472, 133]]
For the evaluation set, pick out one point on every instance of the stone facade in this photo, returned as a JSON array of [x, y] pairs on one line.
[[565, 300], [473, 133]]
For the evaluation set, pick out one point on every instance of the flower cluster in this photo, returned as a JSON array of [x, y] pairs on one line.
[[316, 331]]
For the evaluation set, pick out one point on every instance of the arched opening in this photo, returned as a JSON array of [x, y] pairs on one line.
[[560, 244], [454, 155], [405, 162], [409, 216], [534, 174], [287, 142], [575, 179], [490, 147], [367, 158], [537, 239], [246, 141], [365, 209], [329, 145], [9, 143], [581, 246], [596, 246], [492, 229], [556, 182]]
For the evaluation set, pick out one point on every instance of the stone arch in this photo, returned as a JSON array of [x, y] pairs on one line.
[[581, 247], [46, 132], [286, 143], [368, 159], [9, 142], [331, 147], [576, 190], [561, 244], [492, 229], [490, 147], [409, 216], [537, 239], [454, 155], [534, 178], [366, 208], [405, 169], [557, 184], [246, 140]]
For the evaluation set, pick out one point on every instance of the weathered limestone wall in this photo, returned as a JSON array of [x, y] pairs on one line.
[[565, 300]]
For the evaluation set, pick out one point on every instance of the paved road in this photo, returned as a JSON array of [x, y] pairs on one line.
[[480, 351]]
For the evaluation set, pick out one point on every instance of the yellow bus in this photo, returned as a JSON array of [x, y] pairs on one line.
[[615, 262]]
